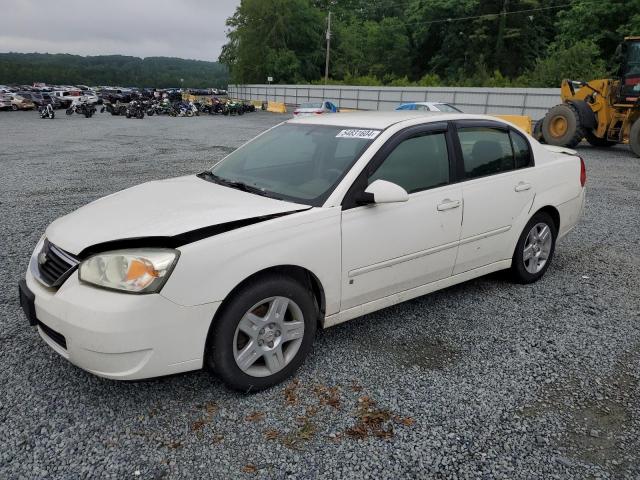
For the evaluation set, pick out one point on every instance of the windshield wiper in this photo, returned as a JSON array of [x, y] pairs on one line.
[[207, 175]]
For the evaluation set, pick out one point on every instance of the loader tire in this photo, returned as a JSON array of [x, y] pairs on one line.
[[597, 141], [562, 127], [634, 137], [537, 131]]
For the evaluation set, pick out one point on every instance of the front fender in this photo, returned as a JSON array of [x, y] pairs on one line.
[[209, 269]]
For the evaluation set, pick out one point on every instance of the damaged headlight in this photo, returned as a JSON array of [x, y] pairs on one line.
[[135, 271]]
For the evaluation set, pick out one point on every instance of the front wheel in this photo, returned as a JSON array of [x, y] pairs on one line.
[[634, 137], [263, 334], [69, 111], [52, 116], [561, 126], [534, 249]]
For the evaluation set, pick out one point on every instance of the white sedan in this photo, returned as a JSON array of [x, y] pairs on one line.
[[317, 221]]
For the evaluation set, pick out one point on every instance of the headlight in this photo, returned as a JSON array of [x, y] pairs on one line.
[[135, 271]]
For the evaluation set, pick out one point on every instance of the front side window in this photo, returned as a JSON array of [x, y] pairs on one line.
[[486, 151], [416, 164], [301, 163]]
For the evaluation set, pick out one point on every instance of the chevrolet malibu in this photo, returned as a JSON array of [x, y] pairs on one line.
[[317, 221]]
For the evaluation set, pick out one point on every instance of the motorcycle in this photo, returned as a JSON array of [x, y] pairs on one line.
[[83, 108], [114, 109], [47, 112], [187, 109], [135, 109]]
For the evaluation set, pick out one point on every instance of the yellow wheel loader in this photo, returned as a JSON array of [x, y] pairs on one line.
[[604, 112]]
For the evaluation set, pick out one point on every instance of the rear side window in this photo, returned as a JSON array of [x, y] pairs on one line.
[[521, 150], [486, 151], [416, 164]]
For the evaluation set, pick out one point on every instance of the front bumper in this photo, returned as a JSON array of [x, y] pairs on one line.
[[119, 335]]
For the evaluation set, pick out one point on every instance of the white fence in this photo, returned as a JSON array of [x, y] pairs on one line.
[[516, 101]]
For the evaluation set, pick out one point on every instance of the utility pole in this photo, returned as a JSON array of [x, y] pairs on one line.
[[326, 65]]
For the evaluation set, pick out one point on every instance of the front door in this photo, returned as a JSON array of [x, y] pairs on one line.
[[388, 248]]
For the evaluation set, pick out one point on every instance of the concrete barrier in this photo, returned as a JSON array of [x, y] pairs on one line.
[[277, 107]]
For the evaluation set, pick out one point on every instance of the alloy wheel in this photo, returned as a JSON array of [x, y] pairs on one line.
[[268, 336], [537, 248]]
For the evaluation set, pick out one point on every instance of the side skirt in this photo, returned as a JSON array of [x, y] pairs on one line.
[[405, 295]]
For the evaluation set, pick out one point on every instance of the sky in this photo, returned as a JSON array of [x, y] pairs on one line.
[[192, 29]]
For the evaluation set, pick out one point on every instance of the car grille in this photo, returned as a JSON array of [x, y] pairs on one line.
[[53, 335], [53, 265]]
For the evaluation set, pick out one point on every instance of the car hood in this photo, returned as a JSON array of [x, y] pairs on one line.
[[165, 208]]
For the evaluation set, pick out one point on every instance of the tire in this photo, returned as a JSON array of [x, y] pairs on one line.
[[128, 115], [561, 126], [14, 108], [226, 335], [53, 115], [140, 115], [531, 270], [634, 137], [597, 141], [537, 131], [69, 111]]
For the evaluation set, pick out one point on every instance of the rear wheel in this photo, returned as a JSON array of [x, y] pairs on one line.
[[534, 249], [634, 137], [263, 334], [561, 126], [597, 141]]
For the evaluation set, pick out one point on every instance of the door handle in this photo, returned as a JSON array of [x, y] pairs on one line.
[[522, 186], [448, 204]]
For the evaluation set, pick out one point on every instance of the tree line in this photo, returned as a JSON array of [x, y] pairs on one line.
[[64, 69], [531, 43]]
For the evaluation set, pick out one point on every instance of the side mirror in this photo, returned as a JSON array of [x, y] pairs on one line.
[[381, 191]]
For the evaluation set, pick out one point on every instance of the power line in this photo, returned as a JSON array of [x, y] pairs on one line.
[[488, 15]]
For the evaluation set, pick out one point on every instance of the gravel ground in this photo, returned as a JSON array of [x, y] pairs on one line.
[[483, 380]]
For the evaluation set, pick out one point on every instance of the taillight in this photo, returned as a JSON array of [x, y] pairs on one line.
[[295, 112], [583, 172], [319, 112]]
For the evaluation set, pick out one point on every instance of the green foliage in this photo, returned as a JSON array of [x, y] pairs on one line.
[[580, 61], [26, 68]]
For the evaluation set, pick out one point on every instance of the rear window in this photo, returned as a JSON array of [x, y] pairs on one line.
[[311, 105], [486, 151]]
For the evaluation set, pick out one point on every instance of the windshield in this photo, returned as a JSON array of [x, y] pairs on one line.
[[300, 163], [310, 105], [445, 107]]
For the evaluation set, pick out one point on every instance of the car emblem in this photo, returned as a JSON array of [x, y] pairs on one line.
[[42, 258]]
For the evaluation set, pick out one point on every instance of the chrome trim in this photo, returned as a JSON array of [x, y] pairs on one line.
[[64, 256]]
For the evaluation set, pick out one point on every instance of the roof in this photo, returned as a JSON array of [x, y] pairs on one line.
[[381, 120], [374, 120]]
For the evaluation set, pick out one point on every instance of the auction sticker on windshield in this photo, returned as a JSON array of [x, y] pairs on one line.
[[357, 133]]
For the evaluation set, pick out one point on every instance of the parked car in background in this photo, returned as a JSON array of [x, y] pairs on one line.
[[321, 219], [430, 107], [315, 108], [5, 102], [18, 102], [35, 97]]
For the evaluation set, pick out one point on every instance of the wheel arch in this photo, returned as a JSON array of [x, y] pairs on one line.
[[553, 212], [303, 275]]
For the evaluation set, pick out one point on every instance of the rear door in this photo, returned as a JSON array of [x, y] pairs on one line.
[[497, 187]]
